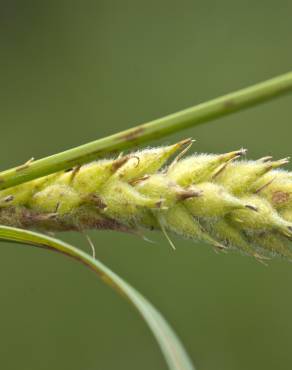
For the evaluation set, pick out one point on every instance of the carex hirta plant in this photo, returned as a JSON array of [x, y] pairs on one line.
[[216, 198], [225, 200]]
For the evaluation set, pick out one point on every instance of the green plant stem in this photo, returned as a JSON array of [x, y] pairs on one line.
[[158, 128], [171, 347]]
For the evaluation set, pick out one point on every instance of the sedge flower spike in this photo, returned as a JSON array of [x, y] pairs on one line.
[[219, 199]]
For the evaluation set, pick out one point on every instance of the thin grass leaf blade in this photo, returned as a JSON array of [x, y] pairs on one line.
[[171, 347]]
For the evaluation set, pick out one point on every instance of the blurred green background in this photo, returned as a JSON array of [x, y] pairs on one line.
[[73, 71]]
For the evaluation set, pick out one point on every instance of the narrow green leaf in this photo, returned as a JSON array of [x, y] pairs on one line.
[[158, 128], [171, 347]]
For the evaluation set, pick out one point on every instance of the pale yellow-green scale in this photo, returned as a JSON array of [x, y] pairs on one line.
[[217, 199]]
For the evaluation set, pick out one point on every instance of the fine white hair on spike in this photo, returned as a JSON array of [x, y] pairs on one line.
[[163, 229], [224, 199], [91, 244]]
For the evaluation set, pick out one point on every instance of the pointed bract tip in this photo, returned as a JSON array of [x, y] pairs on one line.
[[184, 145], [284, 160], [230, 156], [251, 207], [241, 152], [118, 163], [265, 159], [279, 163], [219, 247], [260, 258], [186, 142]]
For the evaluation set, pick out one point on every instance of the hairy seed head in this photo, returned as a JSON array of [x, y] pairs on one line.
[[220, 199]]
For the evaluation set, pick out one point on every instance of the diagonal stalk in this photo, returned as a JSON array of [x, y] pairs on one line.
[[158, 128]]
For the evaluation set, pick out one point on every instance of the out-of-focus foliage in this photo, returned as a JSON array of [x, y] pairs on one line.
[[75, 71]]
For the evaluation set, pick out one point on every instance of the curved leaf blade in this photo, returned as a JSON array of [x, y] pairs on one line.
[[171, 347]]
